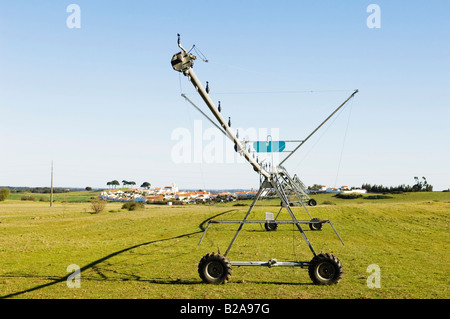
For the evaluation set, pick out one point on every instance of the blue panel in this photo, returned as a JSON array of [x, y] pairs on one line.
[[269, 147]]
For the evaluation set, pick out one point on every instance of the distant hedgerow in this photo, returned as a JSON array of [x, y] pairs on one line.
[[378, 197], [133, 206], [348, 196], [28, 197]]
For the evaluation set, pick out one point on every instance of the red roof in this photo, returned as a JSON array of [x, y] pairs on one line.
[[155, 197]]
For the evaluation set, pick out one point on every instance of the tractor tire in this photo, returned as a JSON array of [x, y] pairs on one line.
[[312, 202], [325, 269], [290, 204], [271, 226], [315, 225], [214, 268]]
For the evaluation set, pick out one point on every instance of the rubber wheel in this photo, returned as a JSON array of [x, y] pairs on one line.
[[271, 226], [312, 202], [315, 225], [290, 204], [325, 269], [214, 268]]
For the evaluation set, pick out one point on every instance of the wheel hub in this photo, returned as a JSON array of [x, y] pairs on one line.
[[326, 270], [214, 270]]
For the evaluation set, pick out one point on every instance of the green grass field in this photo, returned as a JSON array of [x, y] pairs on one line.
[[153, 252], [81, 196]]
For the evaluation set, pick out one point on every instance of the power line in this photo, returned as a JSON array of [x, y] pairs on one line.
[[275, 92]]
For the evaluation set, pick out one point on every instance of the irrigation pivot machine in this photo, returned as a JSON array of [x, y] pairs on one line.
[[323, 268]]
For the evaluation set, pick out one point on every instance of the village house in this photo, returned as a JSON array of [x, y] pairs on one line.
[[154, 198], [246, 194], [342, 189], [167, 190], [157, 194], [193, 196], [121, 196], [170, 193]]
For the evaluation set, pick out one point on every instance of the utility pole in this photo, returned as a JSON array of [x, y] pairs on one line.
[[51, 188]]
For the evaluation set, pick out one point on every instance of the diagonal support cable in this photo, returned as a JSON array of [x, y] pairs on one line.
[[317, 128], [218, 127]]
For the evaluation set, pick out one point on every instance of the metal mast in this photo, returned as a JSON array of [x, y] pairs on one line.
[[51, 187], [183, 62]]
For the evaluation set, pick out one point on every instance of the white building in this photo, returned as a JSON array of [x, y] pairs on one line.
[[342, 189]]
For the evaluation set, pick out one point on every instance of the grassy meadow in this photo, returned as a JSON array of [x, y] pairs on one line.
[[153, 252]]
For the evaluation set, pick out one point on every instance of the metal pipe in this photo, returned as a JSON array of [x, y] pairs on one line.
[[253, 221], [204, 233], [281, 208], [220, 129], [195, 81], [244, 220], [282, 195], [336, 233], [271, 263], [179, 44]]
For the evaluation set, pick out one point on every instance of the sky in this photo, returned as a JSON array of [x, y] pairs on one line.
[[92, 90]]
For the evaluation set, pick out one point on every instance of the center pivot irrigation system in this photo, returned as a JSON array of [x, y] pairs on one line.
[[216, 268]]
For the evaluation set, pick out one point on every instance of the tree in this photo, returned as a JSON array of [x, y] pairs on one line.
[[115, 183], [4, 193], [422, 186], [146, 185], [315, 187], [124, 182], [424, 183], [427, 187], [98, 205], [109, 184], [88, 188], [418, 186]]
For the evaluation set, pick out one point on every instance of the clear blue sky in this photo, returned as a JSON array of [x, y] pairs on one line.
[[102, 101]]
